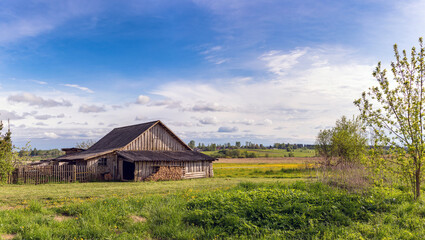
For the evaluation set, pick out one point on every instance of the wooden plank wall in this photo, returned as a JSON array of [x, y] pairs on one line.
[[198, 169], [155, 139], [111, 167]]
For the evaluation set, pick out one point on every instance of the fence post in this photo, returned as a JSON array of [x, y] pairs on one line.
[[74, 171]]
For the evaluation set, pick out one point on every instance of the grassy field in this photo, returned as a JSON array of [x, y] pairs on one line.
[[264, 170], [294, 167], [57, 194], [218, 208], [98, 210], [273, 153], [247, 199], [228, 173]]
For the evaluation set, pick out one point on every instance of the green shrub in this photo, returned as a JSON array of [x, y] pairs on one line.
[[261, 210]]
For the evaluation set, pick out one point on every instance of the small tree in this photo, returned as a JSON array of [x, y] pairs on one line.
[[324, 146], [344, 143], [349, 140], [85, 144], [192, 144], [6, 158], [343, 148], [395, 110]]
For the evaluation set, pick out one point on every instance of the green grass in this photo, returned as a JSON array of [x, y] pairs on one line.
[[261, 153], [254, 209], [57, 194], [263, 170], [226, 175], [242, 201]]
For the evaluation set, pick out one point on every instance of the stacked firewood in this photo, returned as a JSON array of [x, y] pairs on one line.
[[166, 173]]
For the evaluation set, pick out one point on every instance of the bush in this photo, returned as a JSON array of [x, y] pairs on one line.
[[306, 210]]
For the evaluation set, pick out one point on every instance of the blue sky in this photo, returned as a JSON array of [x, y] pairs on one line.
[[213, 71]]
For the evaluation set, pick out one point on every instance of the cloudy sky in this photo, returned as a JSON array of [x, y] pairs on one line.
[[213, 71]]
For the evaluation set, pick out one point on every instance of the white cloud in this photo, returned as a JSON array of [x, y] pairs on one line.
[[23, 28], [140, 118], [141, 99], [316, 86], [40, 82], [91, 109], [220, 60], [12, 115], [79, 87], [215, 55], [207, 107], [167, 103], [44, 117], [316, 90], [244, 121], [34, 100], [279, 63], [268, 122], [213, 49], [46, 16], [227, 129], [209, 120], [51, 135]]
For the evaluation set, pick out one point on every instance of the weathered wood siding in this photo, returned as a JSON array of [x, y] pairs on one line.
[[198, 169], [155, 139], [111, 164]]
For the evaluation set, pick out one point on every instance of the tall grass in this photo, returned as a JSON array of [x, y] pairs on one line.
[[350, 176]]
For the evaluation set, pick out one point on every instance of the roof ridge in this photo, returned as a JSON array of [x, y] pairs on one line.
[[136, 124]]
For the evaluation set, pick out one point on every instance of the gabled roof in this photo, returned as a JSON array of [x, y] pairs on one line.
[[120, 137], [117, 139], [136, 156]]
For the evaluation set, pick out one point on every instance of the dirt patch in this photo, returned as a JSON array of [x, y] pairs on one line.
[[270, 160], [2, 208], [138, 218], [7, 236], [61, 218]]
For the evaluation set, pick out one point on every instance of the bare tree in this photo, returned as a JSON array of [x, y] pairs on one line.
[[85, 144]]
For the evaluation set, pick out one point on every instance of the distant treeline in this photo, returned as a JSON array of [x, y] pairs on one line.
[[248, 145], [234, 153], [41, 153]]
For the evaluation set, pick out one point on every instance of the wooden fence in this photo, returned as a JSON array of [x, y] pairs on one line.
[[52, 174]]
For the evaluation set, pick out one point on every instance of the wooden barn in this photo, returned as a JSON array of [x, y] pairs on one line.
[[147, 151]]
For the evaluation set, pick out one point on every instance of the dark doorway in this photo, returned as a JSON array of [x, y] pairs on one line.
[[128, 170]]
